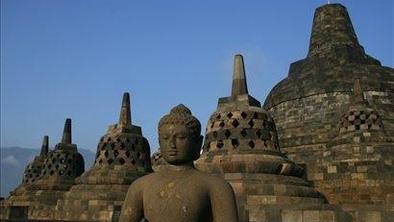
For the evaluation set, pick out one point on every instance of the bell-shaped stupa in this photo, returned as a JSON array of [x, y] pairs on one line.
[[241, 145], [59, 167], [315, 111], [122, 156], [31, 174], [33, 170]]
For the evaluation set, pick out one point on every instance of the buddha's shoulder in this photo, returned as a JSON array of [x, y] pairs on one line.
[[144, 180]]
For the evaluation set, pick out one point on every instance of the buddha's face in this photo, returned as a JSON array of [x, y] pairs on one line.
[[178, 145]]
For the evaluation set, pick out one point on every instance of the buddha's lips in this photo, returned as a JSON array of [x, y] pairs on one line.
[[172, 152]]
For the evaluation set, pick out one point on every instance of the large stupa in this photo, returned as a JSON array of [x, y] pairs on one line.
[[344, 142]]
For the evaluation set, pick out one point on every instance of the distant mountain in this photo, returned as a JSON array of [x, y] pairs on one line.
[[14, 160]]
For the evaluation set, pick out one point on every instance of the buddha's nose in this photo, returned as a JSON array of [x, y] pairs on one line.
[[172, 142]]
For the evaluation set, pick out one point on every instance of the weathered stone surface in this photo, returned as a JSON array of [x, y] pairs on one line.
[[177, 191], [123, 155], [241, 145], [342, 137], [61, 166]]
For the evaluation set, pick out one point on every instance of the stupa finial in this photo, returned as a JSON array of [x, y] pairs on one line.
[[239, 78], [45, 146], [357, 92], [125, 113], [67, 132]]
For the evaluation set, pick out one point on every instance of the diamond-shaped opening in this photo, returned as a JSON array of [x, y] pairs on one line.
[[118, 139], [215, 134], [357, 127], [127, 154], [244, 115], [244, 132], [229, 115], [235, 123], [132, 161], [235, 143], [251, 144], [258, 133], [100, 161], [218, 116], [61, 172], [109, 139], [138, 155], [69, 173], [110, 161], [227, 133], [132, 147], [121, 161], [113, 145], [122, 146], [101, 139], [251, 123], [255, 115], [52, 172], [221, 124], [219, 144], [116, 153], [57, 166], [127, 140], [212, 124], [106, 153], [62, 160]]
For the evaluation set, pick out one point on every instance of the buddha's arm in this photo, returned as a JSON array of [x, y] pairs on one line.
[[223, 202], [132, 209]]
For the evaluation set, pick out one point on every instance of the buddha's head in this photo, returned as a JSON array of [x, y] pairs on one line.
[[180, 136]]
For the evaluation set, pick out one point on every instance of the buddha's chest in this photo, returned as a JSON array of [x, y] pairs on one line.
[[176, 200]]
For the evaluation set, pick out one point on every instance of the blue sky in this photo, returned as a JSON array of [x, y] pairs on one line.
[[73, 58]]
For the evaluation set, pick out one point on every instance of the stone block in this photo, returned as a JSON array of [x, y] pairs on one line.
[[327, 216], [292, 216], [372, 216], [331, 169], [311, 216]]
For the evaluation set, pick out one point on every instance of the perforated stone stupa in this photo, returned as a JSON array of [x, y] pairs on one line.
[[33, 169], [19, 198], [122, 156], [61, 166], [241, 145]]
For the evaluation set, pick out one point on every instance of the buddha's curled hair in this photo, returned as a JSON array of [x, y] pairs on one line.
[[180, 114]]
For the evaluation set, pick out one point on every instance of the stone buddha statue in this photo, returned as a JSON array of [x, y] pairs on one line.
[[178, 192]]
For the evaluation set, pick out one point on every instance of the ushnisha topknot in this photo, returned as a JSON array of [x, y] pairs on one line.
[[180, 114]]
